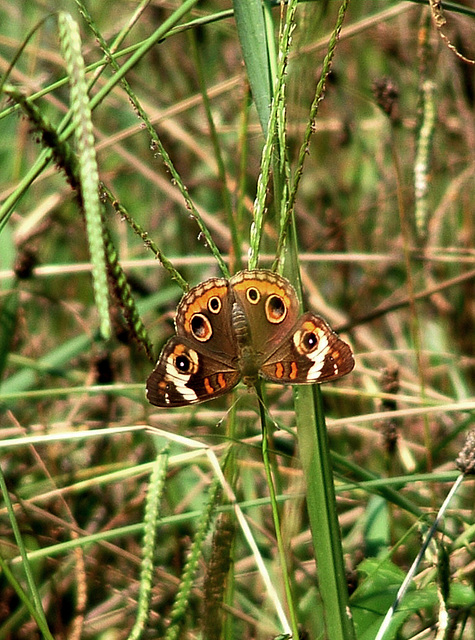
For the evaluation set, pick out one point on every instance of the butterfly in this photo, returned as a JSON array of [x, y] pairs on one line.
[[239, 329]]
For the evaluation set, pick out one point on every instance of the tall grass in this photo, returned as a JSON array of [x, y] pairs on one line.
[[221, 140]]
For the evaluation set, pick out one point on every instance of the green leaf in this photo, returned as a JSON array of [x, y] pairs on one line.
[[252, 35], [376, 526], [374, 597]]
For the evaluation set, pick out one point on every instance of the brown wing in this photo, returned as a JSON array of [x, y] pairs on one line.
[[200, 362], [270, 305], [184, 376], [312, 352]]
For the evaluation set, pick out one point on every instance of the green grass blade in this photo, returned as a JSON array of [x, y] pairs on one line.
[[54, 360], [281, 547], [310, 129], [34, 606], [252, 35], [326, 536]]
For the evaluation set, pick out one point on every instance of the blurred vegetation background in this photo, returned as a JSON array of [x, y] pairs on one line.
[[385, 229]]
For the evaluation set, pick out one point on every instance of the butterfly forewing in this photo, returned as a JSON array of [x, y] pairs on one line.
[[270, 313], [204, 319]]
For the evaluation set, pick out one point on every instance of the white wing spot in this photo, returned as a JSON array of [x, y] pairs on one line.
[[318, 357], [180, 379]]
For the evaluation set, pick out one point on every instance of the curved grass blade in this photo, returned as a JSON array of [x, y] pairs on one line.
[[32, 600]]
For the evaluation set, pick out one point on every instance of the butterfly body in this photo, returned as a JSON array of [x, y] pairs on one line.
[[238, 329]]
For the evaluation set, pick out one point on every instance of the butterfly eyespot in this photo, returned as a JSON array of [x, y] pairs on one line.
[[253, 295], [214, 304], [183, 364], [309, 340], [201, 327], [276, 309]]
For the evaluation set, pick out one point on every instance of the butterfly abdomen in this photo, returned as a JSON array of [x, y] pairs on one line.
[[239, 322], [248, 365]]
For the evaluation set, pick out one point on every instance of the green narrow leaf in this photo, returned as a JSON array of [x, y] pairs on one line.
[[32, 599], [252, 35], [315, 457], [55, 359], [376, 526], [275, 514]]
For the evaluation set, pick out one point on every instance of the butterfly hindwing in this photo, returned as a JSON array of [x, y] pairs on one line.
[[312, 352], [185, 376]]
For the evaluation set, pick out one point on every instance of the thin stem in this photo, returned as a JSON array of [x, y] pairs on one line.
[[275, 510]]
